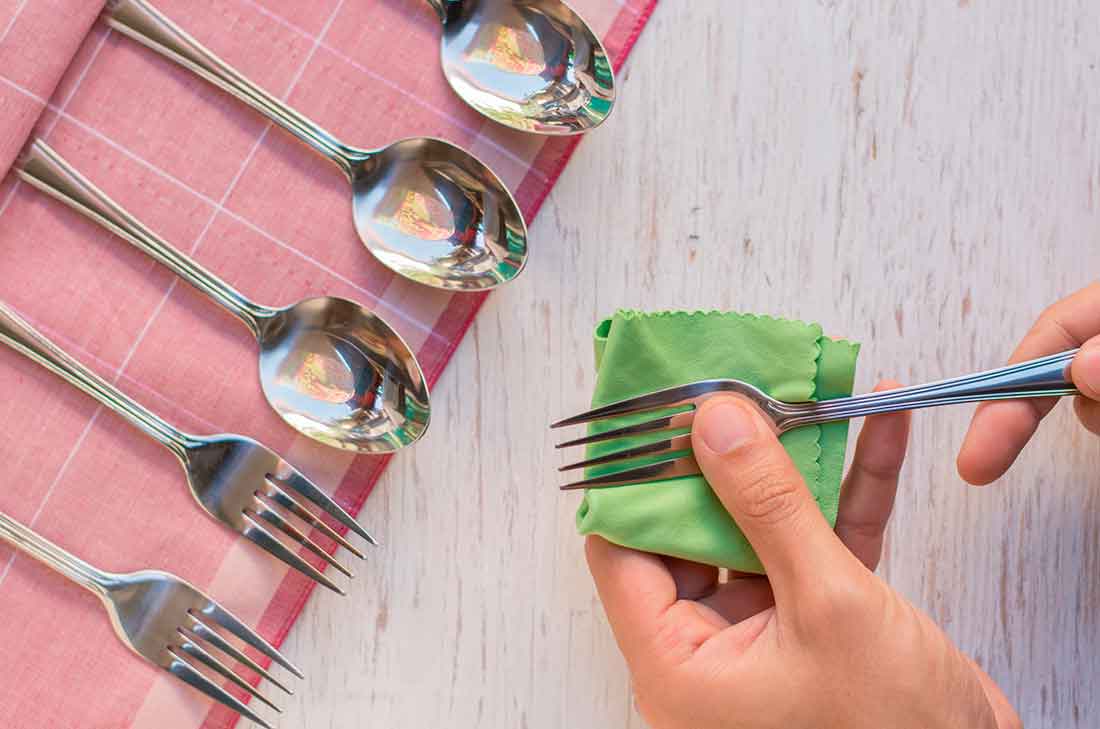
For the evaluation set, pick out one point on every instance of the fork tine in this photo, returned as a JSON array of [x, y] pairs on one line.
[[308, 489], [679, 443], [261, 536], [668, 397], [196, 651], [184, 671], [214, 638], [215, 612], [276, 519], [670, 468], [283, 499], [666, 422]]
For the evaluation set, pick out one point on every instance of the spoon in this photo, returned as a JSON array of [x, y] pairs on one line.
[[331, 369], [532, 65], [425, 208]]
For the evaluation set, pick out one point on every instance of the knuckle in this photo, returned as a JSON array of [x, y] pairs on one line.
[[675, 641], [767, 495], [1048, 313]]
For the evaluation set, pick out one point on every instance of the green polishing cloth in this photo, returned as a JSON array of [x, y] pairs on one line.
[[639, 352]]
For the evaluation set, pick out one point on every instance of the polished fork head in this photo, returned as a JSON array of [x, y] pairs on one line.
[[653, 440], [250, 488], [175, 626]]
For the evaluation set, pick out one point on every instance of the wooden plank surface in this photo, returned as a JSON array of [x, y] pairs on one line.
[[921, 176]]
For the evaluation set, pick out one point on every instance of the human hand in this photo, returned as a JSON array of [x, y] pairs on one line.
[[1000, 430], [821, 642]]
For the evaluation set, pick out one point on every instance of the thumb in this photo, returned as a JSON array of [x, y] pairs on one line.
[[1085, 369], [759, 485], [1085, 372]]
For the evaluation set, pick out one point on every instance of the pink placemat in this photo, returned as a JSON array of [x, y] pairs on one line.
[[261, 211]]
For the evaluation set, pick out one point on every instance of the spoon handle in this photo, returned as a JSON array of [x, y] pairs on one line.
[[45, 169], [147, 25], [22, 337], [30, 542], [446, 9]]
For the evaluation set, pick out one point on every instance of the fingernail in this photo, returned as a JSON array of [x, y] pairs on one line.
[[1088, 369], [725, 426]]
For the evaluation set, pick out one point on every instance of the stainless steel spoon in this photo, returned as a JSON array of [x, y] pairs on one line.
[[533, 65], [331, 369], [427, 209]]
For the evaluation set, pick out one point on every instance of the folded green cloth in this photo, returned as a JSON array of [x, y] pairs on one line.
[[640, 352]]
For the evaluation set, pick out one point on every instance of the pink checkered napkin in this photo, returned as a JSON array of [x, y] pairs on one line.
[[213, 178]]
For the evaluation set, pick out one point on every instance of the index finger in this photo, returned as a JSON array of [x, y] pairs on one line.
[[1000, 430]]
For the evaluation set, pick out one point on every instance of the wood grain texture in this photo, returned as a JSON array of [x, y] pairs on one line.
[[921, 176]]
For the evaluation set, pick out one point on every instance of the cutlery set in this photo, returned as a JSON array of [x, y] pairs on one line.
[[330, 368]]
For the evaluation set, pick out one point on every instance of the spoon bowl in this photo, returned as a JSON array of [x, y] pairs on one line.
[[340, 375], [425, 208], [434, 213], [330, 368], [532, 65]]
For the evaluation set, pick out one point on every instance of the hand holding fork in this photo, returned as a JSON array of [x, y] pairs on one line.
[[673, 410]]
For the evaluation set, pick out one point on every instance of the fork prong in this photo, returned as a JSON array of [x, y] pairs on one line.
[[214, 638], [184, 671], [297, 482], [678, 443], [214, 612], [669, 397], [276, 520], [284, 500], [671, 468], [268, 541], [666, 422], [200, 654]]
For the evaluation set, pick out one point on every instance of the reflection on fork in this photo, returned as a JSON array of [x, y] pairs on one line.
[[236, 480], [166, 621]]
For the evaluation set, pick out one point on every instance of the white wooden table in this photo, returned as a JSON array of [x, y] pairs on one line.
[[922, 176]]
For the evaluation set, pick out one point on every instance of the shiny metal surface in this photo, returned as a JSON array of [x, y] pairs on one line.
[[533, 65], [239, 482], [427, 209], [674, 408], [332, 369], [166, 621]]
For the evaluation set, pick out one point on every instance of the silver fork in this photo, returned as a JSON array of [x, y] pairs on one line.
[[165, 620], [674, 410], [236, 480]]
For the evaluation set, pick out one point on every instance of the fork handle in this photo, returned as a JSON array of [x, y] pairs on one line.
[[1043, 377], [150, 27], [23, 338], [28, 541]]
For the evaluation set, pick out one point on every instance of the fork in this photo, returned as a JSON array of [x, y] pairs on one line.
[[236, 480], [164, 620], [673, 410]]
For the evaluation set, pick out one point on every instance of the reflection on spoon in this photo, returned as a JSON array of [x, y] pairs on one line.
[[467, 213], [507, 49], [533, 65], [341, 376], [330, 368]]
